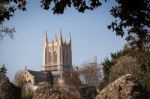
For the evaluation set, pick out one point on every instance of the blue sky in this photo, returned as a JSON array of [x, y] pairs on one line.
[[90, 36]]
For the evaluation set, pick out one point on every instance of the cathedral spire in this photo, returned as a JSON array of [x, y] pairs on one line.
[[69, 38], [60, 37], [46, 39]]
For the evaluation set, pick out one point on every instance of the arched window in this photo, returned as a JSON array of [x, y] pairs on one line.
[[55, 57], [29, 81]]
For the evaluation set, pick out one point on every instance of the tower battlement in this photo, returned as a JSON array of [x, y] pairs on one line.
[[57, 55]]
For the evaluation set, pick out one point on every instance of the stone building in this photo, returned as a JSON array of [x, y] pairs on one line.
[[35, 77], [57, 56]]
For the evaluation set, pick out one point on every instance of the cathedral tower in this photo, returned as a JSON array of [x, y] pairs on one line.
[[57, 56]]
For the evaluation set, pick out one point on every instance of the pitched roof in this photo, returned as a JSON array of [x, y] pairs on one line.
[[37, 74]]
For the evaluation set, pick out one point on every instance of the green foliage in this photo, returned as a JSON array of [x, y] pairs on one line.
[[119, 97], [58, 6], [4, 31], [125, 65], [27, 93], [132, 17], [7, 10], [107, 64], [56, 85], [146, 81], [88, 92], [3, 69], [67, 95], [128, 61], [143, 58], [9, 7]]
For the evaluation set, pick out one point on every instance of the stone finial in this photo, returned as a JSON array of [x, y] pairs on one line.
[[46, 39], [60, 37]]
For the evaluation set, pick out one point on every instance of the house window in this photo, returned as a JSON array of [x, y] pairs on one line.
[[29, 81]]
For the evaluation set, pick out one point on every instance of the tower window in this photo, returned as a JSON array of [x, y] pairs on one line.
[[50, 58], [55, 57]]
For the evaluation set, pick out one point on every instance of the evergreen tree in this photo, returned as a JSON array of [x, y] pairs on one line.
[[3, 69]]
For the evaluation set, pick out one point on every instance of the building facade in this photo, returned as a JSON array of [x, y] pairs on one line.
[[57, 56], [35, 77]]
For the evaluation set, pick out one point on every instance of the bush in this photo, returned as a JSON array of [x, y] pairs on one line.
[[125, 65], [27, 93]]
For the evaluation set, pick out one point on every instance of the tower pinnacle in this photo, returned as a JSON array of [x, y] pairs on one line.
[[60, 37], [57, 56], [69, 38], [46, 39]]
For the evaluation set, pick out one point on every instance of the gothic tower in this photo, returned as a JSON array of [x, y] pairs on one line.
[[57, 56]]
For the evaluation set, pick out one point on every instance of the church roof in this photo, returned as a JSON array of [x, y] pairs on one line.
[[37, 74]]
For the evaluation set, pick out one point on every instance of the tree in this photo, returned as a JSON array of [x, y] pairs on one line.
[[58, 6], [132, 19], [91, 74], [72, 82], [125, 65], [108, 63], [72, 78], [118, 65], [8, 8], [3, 69]]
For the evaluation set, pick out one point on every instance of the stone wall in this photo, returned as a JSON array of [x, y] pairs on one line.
[[125, 87], [46, 91], [7, 89]]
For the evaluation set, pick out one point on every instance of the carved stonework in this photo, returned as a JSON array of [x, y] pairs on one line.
[[57, 55]]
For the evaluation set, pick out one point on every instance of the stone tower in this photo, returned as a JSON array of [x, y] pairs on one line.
[[57, 56]]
